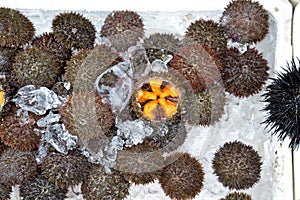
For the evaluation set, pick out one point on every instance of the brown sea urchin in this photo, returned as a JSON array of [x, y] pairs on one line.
[[244, 73], [237, 196], [237, 165], [15, 28], [182, 178], [245, 21], [123, 29], [74, 30]]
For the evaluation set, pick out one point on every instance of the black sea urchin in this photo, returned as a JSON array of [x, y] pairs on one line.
[[65, 170], [245, 21], [17, 167], [74, 30], [40, 188], [244, 73], [282, 98], [159, 45], [140, 163], [18, 133], [50, 43], [123, 29], [34, 66], [15, 28], [103, 185], [237, 165], [208, 33], [237, 196], [182, 178], [4, 192]]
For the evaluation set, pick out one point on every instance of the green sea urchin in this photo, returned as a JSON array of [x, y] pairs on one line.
[[65, 170], [40, 188], [244, 73], [123, 29], [34, 66], [15, 28], [237, 165], [245, 21], [140, 163], [237, 196], [20, 134], [17, 167], [103, 185], [208, 33], [5, 192], [183, 177], [159, 45], [282, 98], [7, 55], [74, 30]]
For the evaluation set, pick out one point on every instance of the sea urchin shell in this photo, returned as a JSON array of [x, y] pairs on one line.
[[237, 165]]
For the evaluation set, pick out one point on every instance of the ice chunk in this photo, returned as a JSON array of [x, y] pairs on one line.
[[139, 61], [49, 119], [36, 100], [133, 132], [24, 116], [115, 86], [117, 142]]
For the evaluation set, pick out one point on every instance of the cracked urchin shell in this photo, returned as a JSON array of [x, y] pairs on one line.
[[158, 97], [183, 177], [244, 73], [87, 117], [74, 30], [140, 164], [211, 104], [123, 29], [16, 133], [65, 170], [159, 45], [34, 66], [198, 64], [208, 33], [7, 55], [245, 21], [15, 28], [5, 192], [237, 165], [103, 185], [50, 43], [17, 167], [83, 69], [282, 100], [237, 196], [40, 188]]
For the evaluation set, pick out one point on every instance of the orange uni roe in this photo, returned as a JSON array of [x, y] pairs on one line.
[[158, 99], [2, 98]]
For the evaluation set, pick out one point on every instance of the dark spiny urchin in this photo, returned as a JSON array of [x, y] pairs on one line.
[[245, 21], [123, 29], [84, 70], [244, 73], [159, 45], [74, 64], [40, 188], [198, 64], [7, 55], [17, 133], [2, 147], [282, 98], [237, 165], [173, 138], [65, 170], [183, 177], [103, 185], [140, 164], [86, 116], [17, 167], [237, 196], [50, 43], [34, 66], [208, 33], [74, 30], [5, 192], [211, 104], [15, 28]]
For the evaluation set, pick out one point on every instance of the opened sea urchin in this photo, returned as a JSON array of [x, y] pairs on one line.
[[282, 98], [237, 165]]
